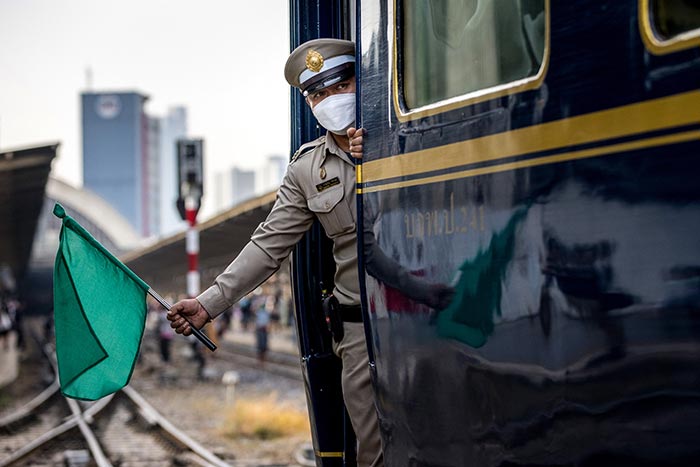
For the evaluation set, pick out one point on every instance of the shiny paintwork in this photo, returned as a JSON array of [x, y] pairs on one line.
[[574, 334]]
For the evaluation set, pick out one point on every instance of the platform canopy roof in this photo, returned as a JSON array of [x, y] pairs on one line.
[[163, 265], [23, 176]]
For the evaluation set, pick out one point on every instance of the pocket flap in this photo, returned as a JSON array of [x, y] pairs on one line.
[[326, 200]]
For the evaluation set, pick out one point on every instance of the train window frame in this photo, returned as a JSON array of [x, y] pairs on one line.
[[404, 114], [653, 43]]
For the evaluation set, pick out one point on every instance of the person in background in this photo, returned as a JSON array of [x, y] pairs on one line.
[[6, 324], [165, 336], [225, 323], [262, 327], [15, 309], [245, 304]]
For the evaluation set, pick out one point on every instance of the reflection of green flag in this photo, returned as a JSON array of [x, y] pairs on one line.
[[99, 311], [469, 317]]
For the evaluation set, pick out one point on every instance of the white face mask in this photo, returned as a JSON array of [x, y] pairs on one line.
[[336, 113]]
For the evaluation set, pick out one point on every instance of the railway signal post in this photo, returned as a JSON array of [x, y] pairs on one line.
[[190, 159]]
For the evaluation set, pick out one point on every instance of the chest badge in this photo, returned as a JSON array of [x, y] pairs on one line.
[[325, 185], [322, 173]]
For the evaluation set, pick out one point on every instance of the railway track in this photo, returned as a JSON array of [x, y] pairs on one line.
[[122, 429], [277, 363], [132, 432]]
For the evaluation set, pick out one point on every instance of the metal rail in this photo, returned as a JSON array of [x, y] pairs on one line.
[[27, 409], [177, 435], [98, 454], [27, 449], [76, 420], [284, 365], [278, 364], [82, 419]]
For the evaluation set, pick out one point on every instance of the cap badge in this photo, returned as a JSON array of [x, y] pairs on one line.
[[314, 61]]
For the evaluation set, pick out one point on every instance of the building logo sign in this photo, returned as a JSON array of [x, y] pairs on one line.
[[108, 106]]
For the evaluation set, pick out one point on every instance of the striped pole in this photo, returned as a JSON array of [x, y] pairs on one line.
[[192, 246]]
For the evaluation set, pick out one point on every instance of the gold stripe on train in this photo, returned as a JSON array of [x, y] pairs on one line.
[[561, 157], [329, 454], [657, 114]]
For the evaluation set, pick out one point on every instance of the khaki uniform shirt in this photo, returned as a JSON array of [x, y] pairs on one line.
[[319, 183]]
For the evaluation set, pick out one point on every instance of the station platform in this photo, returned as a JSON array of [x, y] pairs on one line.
[[280, 340], [9, 356]]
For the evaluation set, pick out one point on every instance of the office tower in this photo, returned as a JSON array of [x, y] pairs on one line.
[[153, 176], [271, 174], [221, 197], [115, 152], [173, 127], [242, 185]]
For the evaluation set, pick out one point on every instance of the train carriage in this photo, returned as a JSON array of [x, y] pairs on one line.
[[540, 159]]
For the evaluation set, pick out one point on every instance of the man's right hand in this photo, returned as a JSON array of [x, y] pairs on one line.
[[355, 140], [193, 311]]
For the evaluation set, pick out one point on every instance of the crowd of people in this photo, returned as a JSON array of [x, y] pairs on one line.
[[265, 311], [12, 338], [10, 309], [10, 320]]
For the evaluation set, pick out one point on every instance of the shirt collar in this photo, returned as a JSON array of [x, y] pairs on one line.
[[332, 146]]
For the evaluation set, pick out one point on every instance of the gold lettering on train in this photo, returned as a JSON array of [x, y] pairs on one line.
[[444, 221]]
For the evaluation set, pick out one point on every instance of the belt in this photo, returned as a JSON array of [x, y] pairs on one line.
[[351, 313]]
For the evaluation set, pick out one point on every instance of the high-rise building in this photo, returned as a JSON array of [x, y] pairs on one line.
[[116, 151], [153, 177], [220, 197], [242, 185], [271, 174], [130, 159], [173, 127]]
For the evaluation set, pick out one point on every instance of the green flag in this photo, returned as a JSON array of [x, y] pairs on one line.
[[99, 314]]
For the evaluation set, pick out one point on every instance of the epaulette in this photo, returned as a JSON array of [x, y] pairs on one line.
[[307, 147]]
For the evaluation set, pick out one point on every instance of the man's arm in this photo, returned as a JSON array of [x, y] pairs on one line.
[[270, 244]]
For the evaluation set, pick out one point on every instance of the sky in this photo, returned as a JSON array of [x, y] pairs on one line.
[[221, 59]]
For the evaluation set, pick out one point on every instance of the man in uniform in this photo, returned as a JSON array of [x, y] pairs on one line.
[[319, 184]]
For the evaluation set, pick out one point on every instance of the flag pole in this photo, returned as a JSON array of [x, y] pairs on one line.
[[196, 332]]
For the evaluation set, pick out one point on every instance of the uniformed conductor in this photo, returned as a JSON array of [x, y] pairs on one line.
[[319, 184]]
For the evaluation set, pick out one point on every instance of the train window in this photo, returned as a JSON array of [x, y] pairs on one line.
[[449, 48], [674, 17], [669, 25]]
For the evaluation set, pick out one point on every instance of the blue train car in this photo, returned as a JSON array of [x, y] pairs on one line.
[[539, 159]]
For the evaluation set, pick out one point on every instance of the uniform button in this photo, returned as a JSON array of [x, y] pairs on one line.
[[327, 204]]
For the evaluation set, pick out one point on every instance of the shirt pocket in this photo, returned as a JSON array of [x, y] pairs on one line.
[[332, 211]]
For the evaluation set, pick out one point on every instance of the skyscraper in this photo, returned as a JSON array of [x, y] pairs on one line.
[[153, 176], [242, 185], [130, 160], [271, 173], [115, 152], [173, 127], [220, 198]]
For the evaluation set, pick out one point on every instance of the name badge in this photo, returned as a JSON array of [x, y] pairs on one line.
[[328, 183]]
